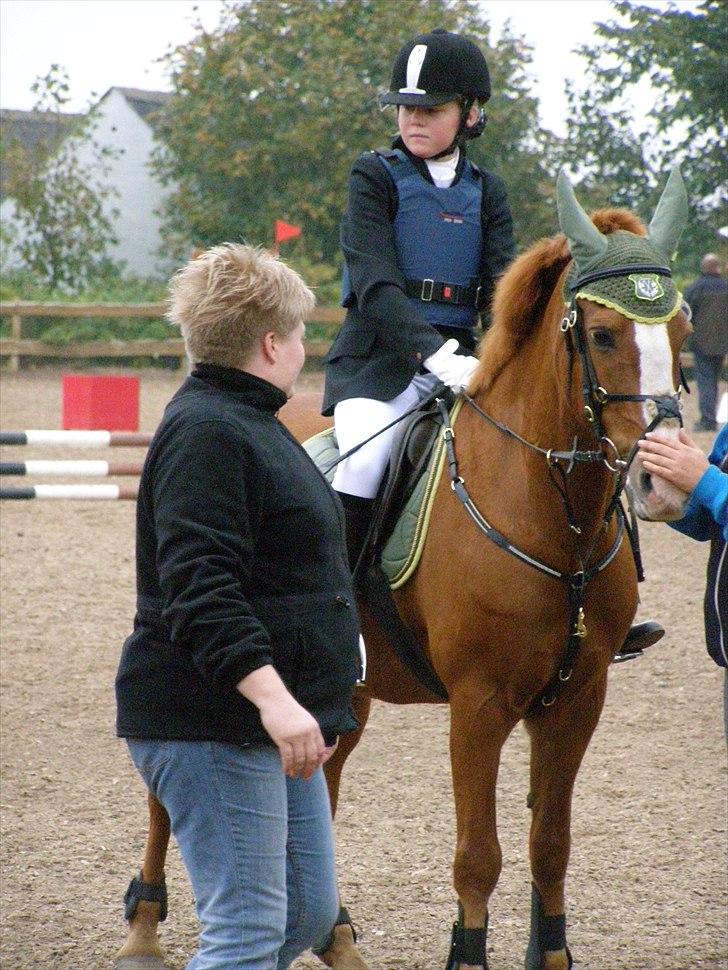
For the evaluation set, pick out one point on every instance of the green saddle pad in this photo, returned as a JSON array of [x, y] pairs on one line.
[[403, 549]]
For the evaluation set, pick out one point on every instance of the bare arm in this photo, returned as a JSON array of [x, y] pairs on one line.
[[294, 731], [677, 460]]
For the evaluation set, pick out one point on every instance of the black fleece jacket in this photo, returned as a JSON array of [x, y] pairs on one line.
[[240, 563]]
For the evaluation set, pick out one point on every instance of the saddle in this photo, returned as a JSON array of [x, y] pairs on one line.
[[402, 507], [400, 517]]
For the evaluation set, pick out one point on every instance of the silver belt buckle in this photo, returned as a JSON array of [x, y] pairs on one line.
[[427, 288]]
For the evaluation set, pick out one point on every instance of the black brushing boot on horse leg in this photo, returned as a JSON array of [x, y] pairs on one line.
[[548, 935], [467, 947]]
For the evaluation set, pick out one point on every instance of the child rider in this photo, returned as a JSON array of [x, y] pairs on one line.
[[425, 235]]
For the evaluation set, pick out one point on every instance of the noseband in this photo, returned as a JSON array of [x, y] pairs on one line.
[[595, 397]]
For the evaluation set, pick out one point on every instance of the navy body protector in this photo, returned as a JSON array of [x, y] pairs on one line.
[[438, 240]]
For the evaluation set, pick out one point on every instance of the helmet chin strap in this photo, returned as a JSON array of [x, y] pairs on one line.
[[462, 135]]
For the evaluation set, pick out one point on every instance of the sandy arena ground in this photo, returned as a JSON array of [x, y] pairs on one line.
[[647, 882]]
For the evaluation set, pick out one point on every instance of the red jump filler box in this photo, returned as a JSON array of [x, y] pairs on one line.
[[100, 403]]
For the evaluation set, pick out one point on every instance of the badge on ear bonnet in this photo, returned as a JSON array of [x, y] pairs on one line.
[[642, 287]]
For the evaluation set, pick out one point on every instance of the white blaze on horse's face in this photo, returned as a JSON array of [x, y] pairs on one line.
[[653, 497]]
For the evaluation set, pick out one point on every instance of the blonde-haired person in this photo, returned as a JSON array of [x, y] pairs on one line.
[[237, 679]]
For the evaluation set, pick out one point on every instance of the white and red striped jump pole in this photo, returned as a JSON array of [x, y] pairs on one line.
[[99, 469], [76, 439], [83, 492]]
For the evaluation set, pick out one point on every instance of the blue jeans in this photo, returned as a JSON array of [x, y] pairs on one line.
[[258, 848]]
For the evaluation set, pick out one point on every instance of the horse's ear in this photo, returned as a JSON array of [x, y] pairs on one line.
[[671, 215], [585, 240]]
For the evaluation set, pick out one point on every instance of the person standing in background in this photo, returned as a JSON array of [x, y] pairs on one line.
[[708, 301]]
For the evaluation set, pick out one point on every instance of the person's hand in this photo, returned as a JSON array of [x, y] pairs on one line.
[[677, 460], [452, 369], [292, 729], [297, 736]]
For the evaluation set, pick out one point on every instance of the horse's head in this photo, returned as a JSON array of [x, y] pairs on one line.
[[627, 324]]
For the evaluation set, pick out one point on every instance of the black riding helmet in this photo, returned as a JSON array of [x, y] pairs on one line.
[[439, 67]]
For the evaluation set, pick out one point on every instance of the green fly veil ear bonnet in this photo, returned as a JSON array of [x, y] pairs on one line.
[[621, 270]]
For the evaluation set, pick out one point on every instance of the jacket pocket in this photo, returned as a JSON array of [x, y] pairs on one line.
[[287, 648], [330, 652]]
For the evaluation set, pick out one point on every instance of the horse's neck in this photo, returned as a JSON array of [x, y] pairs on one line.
[[534, 397]]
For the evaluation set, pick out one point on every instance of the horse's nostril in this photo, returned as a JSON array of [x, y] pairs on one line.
[[646, 482]]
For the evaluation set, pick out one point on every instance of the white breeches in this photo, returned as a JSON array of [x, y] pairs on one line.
[[356, 419]]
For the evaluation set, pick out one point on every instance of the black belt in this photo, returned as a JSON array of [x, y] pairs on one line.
[[432, 291]]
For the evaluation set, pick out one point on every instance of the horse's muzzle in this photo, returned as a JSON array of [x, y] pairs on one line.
[[652, 497]]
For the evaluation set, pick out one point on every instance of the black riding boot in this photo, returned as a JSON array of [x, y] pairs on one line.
[[358, 512], [640, 637]]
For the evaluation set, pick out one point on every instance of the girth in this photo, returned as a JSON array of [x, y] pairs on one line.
[[410, 455]]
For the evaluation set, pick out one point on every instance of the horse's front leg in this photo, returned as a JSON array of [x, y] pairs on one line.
[[340, 951], [146, 898], [478, 731], [361, 706], [560, 735]]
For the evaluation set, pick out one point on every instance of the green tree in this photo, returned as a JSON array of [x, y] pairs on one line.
[[682, 54], [270, 110], [62, 224]]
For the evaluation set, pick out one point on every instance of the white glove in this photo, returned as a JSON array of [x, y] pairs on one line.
[[452, 369]]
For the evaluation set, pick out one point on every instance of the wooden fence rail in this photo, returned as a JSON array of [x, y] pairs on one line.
[[16, 346]]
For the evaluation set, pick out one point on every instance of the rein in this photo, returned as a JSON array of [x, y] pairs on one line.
[[576, 581], [419, 406]]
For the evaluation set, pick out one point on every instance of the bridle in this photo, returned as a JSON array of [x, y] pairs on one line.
[[595, 397], [561, 463]]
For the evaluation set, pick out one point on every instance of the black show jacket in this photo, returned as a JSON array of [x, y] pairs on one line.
[[384, 338]]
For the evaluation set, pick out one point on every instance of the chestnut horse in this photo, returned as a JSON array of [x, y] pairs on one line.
[[525, 590]]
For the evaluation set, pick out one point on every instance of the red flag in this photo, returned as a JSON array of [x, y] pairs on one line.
[[284, 231]]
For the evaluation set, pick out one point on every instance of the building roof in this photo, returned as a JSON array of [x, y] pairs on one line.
[[31, 129], [145, 103]]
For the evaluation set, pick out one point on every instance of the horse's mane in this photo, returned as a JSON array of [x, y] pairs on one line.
[[525, 289]]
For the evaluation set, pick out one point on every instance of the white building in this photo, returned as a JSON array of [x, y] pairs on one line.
[[125, 124]]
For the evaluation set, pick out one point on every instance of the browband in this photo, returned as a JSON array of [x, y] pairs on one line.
[[603, 274]]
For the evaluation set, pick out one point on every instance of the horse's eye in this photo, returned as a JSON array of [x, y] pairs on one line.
[[603, 339]]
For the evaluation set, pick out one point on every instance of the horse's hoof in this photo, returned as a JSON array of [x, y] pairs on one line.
[[343, 954], [560, 960], [139, 963]]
